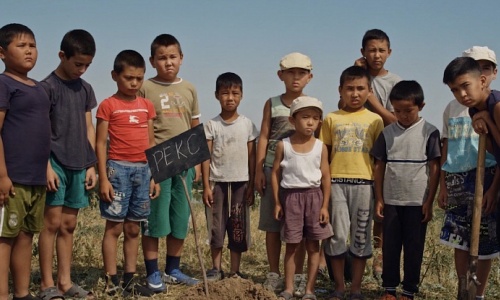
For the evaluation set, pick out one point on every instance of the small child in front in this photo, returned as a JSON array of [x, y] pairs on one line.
[[407, 157], [301, 191], [125, 183], [228, 176]]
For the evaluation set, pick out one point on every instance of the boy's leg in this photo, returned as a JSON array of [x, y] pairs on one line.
[[236, 224], [313, 259], [273, 249], [20, 263], [338, 262], [290, 266], [5, 252], [218, 216], [110, 245], [51, 225], [358, 268], [130, 245], [235, 261], [391, 246], [64, 247]]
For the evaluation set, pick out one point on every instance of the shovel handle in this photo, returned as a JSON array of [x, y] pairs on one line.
[[478, 197]]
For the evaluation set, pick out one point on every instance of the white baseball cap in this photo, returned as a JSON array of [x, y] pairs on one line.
[[481, 53], [295, 60], [304, 102]]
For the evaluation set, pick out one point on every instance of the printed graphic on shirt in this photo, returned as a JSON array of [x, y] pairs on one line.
[[460, 128], [137, 116], [172, 105], [351, 138]]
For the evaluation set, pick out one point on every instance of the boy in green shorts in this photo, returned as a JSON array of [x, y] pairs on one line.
[[24, 152], [70, 170], [176, 105]]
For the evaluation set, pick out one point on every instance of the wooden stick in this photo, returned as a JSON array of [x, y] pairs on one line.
[[198, 250]]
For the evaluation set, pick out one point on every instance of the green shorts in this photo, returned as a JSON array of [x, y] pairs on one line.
[[170, 211], [71, 191], [24, 211]]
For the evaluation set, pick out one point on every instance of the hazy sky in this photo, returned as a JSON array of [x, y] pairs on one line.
[[250, 37]]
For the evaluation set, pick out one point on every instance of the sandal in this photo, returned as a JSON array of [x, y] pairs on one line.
[[50, 293], [285, 296], [77, 292], [309, 296], [336, 295]]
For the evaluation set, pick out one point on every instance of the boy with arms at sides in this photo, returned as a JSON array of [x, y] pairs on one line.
[[228, 176], [301, 170], [458, 180], [177, 110], [24, 152], [295, 72], [407, 149], [349, 135], [70, 171], [375, 50], [125, 183]]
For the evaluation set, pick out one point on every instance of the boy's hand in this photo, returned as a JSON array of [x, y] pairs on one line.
[[6, 190], [208, 197], [278, 212], [324, 216], [489, 202], [52, 179], [154, 189], [250, 195], [427, 211], [260, 182], [90, 178], [443, 197], [361, 62], [479, 124], [379, 209], [106, 192]]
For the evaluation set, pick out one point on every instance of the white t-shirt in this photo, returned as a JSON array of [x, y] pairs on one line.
[[382, 86], [301, 170]]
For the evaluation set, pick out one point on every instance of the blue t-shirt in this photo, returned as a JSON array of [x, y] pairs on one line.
[[26, 131], [492, 100]]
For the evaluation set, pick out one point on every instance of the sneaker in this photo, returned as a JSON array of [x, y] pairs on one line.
[[155, 284], [388, 296], [299, 285], [177, 277], [215, 275], [132, 288], [273, 282]]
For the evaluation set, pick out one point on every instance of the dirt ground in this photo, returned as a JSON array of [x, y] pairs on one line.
[[229, 288]]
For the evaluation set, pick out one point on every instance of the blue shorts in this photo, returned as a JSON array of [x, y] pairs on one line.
[[130, 183]]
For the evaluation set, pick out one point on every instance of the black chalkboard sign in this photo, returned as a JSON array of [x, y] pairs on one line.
[[178, 154]]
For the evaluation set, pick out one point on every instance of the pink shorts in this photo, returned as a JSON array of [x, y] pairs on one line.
[[301, 209]]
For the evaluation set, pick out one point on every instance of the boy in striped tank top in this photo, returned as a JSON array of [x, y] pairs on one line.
[[301, 198]]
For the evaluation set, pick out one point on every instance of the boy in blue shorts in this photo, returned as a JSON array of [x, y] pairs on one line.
[[24, 152], [228, 176], [459, 162], [70, 171], [125, 184], [349, 134], [407, 149], [177, 110]]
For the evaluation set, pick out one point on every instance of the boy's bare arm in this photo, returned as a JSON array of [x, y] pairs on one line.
[[490, 197], [6, 187], [434, 172], [250, 195], [260, 178], [379, 174], [275, 180], [90, 175], [154, 188], [387, 116], [205, 176], [105, 189], [326, 184], [443, 192]]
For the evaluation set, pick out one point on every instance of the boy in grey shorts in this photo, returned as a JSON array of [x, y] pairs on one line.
[[228, 176], [349, 134]]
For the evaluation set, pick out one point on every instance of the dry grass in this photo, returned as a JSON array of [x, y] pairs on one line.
[[438, 275]]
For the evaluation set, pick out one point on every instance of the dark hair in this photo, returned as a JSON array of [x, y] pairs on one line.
[[354, 72], [10, 31], [228, 80], [78, 41], [407, 90], [129, 58], [460, 66], [375, 34], [164, 40]]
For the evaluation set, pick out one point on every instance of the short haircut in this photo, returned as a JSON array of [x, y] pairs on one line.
[[375, 34], [78, 41], [460, 66], [228, 80], [407, 90], [164, 40], [10, 31], [129, 58], [354, 72]]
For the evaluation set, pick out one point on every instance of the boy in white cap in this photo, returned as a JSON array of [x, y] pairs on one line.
[[295, 72], [459, 161], [301, 191]]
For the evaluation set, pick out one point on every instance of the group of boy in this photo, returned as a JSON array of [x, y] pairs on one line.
[[49, 150], [326, 189]]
